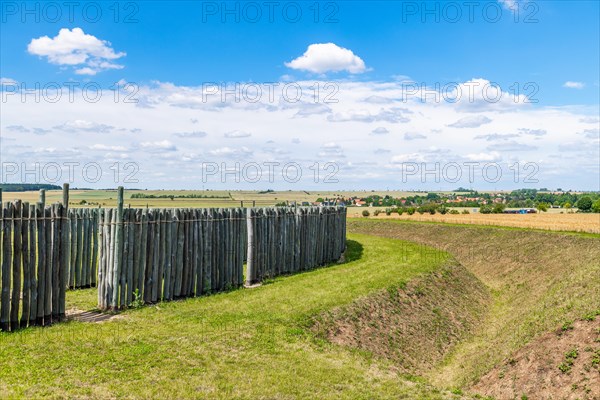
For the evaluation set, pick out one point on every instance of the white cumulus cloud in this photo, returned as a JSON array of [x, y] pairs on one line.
[[88, 54], [573, 85], [158, 146], [328, 57], [471, 122], [237, 134]]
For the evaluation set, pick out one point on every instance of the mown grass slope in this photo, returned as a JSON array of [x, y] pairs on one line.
[[416, 324], [252, 343], [539, 281]]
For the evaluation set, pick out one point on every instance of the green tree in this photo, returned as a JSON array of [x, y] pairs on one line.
[[585, 204], [485, 209], [498, 208], [542, 206], [596, 206]]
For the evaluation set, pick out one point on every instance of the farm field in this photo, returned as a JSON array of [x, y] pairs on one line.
[[213, 198], [554, 221], [551, 220]]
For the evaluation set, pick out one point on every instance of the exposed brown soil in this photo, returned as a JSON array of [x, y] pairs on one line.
[[90, 316], [415, 324], [534, 371]]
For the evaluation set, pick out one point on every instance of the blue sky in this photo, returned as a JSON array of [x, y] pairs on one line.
[[169, 50], [561, 46]]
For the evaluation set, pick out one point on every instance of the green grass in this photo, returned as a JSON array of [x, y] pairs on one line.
[[251, 343]]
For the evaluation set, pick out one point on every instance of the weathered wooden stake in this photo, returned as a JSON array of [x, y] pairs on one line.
[[118, 261]]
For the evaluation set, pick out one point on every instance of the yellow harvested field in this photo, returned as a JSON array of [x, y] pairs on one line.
[[552, 221]]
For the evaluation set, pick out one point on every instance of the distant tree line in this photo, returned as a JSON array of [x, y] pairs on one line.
[[488, 202], [176, 196], [26, 187]]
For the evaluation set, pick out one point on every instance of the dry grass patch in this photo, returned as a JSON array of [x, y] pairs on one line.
[[574, 222]]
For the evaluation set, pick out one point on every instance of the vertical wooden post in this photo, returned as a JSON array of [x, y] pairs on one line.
[[110, 268], [150, 246], [16, 267], [137, 228], [85, 241], [7, 216], [143, 253], [66, 226], [161, 244], [178, 267], [197, 253], [124, 262], [102, 259], [32, 263], [63, 264], [95, 231], [118, 262], [131, 243], [26, 265], [79, 245], [56, 215], [41, 262], [250, 267], [172, 221]]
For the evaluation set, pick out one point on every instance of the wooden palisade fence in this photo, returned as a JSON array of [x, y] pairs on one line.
[[164, 254], [150, 255], [284, 240], [84, 247], [34, 251]]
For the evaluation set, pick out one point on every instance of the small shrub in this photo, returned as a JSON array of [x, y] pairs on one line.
[[486, 209], [443, 210], [400, 210], [564, 368], [466, 212], [454, 212], [388, 211], [366, 213], [570, 356], [567, 326], [410, 210], [137, 299], [376, 212]]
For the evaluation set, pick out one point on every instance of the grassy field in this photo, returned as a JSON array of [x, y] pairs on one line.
[[252, 343]]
